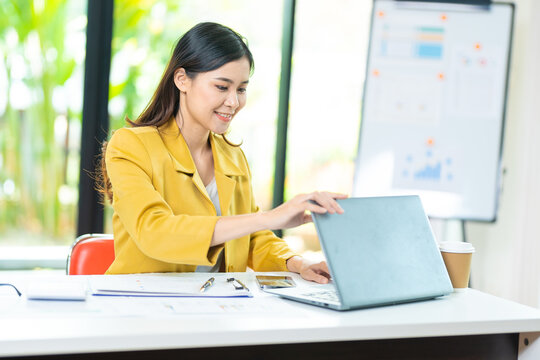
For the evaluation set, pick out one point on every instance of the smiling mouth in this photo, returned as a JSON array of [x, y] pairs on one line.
[[224, 116]]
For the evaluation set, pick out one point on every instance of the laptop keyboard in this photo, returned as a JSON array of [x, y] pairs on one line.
[[327, 295]]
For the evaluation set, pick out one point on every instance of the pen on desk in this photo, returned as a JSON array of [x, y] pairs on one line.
[[241, 287], [241, 283], [207, 284]]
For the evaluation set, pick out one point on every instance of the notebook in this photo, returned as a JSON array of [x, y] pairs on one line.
[[381, 251]]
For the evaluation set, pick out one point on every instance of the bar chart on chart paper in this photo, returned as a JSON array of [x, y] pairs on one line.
[[426, 168], [433, 108]]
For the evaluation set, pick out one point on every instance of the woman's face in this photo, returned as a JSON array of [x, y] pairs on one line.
[[213, 98]]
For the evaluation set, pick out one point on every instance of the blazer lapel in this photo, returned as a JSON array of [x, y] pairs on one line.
[[181, 157], [226, 187], [225, 169]]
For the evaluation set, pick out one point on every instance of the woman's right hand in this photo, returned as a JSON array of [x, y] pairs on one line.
[[294, 212]]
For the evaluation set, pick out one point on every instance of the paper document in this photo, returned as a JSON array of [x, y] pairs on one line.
[[66, 288], [163, 286]]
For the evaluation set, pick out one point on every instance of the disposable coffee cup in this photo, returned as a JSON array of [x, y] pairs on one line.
[[457, 258]]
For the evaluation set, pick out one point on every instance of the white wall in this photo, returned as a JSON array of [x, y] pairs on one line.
[[507, 258]]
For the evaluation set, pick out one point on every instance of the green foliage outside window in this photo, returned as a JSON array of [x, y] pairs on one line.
[[40, 71]]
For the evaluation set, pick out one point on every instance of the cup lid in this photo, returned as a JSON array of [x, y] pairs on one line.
[[456, 247]]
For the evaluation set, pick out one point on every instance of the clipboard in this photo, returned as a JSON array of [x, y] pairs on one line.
[[163, 286]]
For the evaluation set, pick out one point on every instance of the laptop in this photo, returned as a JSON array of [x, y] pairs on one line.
[[381, 251]]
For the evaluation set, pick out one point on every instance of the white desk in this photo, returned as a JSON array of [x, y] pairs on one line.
[[467, 323]]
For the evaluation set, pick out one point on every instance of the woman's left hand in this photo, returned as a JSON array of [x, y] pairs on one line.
[[312, 271]]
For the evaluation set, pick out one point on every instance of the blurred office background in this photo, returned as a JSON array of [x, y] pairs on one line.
[[42, 61]]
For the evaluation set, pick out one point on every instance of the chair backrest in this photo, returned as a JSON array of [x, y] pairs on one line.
[[90, 254]]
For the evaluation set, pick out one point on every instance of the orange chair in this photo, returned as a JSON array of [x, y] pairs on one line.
[[90, 254]]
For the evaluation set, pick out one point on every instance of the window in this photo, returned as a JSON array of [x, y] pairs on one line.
[[330, 48], [42, 52]]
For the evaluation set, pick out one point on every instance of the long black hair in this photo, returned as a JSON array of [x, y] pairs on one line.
[[205, 47]]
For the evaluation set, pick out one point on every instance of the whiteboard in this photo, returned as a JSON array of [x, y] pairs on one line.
[[434, 106]]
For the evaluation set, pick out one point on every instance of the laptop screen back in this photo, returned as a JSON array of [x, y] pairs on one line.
[[382, 251]]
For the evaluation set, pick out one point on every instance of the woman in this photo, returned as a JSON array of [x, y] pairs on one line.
[[181, 192]]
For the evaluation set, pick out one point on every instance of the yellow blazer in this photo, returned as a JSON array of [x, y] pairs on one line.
[[163, 219]]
